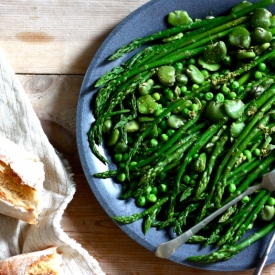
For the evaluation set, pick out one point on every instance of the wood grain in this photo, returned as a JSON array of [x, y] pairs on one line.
[[54, 99], [58, 37]]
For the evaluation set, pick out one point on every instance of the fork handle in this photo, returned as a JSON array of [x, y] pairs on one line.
[[263, 259], [165, 250]]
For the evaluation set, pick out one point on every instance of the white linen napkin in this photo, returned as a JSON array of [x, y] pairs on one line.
[[19, 123]]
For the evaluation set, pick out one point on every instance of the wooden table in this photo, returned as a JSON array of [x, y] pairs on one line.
[[50, 45]]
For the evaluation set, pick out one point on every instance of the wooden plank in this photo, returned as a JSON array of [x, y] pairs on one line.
[[54, 99], [58, 37]]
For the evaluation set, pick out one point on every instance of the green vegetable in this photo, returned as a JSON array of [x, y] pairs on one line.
[[179, 17], [146, 104], [240, 37], [261, 18], [166, 75], [215, 53], [261, 36], [215, 111], [267, 213], [195, 74], [190, 124], [234, 108]]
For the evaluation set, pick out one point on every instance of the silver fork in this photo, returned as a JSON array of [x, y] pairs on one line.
[[165, 250]]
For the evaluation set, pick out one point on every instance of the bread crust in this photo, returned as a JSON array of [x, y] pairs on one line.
[[21, 182], [44, 262]]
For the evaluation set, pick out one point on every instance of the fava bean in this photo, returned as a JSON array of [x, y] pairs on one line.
[[195, 74], [167, 75], [267, 213], [113, 138], [175, 121]]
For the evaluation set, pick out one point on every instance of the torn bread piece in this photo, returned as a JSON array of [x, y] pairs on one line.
[[21, 182], [44, 262]]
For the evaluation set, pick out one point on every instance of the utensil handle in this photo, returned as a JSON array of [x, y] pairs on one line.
[[165, 250], [263, 259]]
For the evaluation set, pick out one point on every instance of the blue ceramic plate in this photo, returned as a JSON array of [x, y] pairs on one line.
[[147, 19]]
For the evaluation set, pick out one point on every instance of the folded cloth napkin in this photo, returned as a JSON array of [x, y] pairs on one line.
[[19, 123]]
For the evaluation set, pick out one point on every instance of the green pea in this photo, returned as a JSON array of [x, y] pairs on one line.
[[258, 74], [245, 199], [156, 96], [169, 94], [163, 188], [121, 164], [195, 107], [132, 163], [113, 138], [195, 74], [121, 177], [257, 152], [262, 67], [125, 156], [208, 96], [117, 157], [195, 87], [271, 201], [227, 60], [232, 188], [235, 85], [178, 67], [185, 112], [219, 97], [170, 132], [164, 137], [153, 142], [120, 147], [154, 190], [141, 201], [205, 72], [248, 154], [232, 95], [183, 89], [191, 61], [152, 198], [163, 125], [186, 179], [148, 190], [225, 89]]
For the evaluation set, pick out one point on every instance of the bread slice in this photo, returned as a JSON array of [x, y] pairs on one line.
[[21, 182], [44, 262]]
